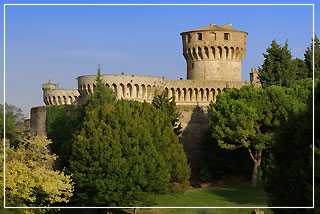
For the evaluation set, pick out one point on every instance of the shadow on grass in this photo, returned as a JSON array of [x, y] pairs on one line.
[[241, 193]]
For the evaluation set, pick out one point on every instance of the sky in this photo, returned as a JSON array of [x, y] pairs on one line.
[[63, 42]]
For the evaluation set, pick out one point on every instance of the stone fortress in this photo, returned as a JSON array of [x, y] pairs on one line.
[[213, 55]]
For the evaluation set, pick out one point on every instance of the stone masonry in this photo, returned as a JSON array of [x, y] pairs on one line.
[[213, 55]]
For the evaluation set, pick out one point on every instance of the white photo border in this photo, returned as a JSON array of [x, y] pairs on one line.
[[4, 99]]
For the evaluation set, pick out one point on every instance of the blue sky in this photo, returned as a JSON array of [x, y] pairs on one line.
[[64, 42]]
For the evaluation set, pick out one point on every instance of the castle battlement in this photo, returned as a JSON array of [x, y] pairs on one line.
[[142, 88], [213, 55], [214, 52]]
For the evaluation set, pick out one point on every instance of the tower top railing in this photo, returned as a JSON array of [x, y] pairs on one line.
[[50, 85]]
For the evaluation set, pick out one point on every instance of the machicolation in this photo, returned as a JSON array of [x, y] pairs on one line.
[[213, 55]]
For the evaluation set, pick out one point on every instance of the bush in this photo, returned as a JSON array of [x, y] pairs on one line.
[[61, 122], [123, 152], [30, 180], [289, 172]]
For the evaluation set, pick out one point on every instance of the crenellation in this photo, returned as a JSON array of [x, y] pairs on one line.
[[60, 96], [213, 55]]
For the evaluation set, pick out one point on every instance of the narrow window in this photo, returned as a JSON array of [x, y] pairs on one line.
[[188, 38], [213, 36], [226, 36], [199, 36]]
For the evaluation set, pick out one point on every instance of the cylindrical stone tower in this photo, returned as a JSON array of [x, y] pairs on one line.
[[214, 52]]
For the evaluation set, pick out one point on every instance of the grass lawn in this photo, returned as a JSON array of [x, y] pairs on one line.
[[234, 195]]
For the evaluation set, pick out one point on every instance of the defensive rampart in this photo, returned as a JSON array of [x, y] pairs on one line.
[[213, 55], [214, 52], [61, 96], [142, 88]]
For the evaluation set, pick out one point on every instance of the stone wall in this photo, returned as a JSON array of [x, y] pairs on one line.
[[143, 88], [214, 53], [60, 96], [38, 120], [194, 121], [134, 87]]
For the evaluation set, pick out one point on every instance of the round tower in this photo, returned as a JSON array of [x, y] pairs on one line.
[[214, 52]]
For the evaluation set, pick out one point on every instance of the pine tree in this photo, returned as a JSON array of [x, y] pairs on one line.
[[248, 117], [289, 171], [102, 95], [168, 106], [308, 57], [277, 68], [301, 69]]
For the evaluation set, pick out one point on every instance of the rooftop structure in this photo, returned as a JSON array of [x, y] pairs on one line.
[[213, 55]]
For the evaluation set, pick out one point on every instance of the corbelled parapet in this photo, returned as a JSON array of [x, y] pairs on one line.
[[214, 52], [53, 95], [143, 88]]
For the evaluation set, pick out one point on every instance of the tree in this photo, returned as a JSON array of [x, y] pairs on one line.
[[30, 180], [102, 95], [168, 106], [301, 68], [15, 123], [277, 68], [308, 57], [61, 122], [248, 117], [219, 163], [289, 172], [123, 152]]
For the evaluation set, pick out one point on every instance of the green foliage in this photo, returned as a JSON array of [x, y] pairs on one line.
[[123, 152], [248, 117], [30, 180], [316, 176], [169, 108], [61, 122], [308, 57], [289, 171], [15, 123], [241, 117], [301, 69], [221, 163], [278, 67], [102, 95]]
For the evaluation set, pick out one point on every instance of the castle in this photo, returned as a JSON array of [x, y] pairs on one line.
[[213, 55]]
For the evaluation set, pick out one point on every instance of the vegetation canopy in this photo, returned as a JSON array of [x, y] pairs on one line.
[[123, 152], [30, 179], [289, 168], [248, 118], [168, 107]]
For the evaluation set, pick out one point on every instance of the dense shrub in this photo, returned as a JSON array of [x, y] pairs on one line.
[[30, 179], [124, 151], [61, 122], [289, 172]]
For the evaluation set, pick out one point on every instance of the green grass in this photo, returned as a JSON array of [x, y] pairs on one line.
[[234, 195]]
